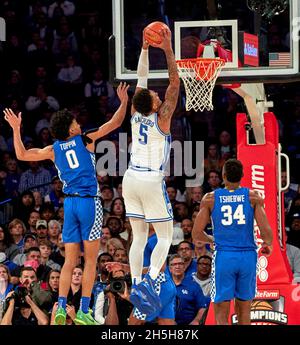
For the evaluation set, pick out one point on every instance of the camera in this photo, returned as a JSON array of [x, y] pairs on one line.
[[19, 296], [116, 285]]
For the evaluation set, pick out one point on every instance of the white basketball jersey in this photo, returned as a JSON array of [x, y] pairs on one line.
[[150, 149]]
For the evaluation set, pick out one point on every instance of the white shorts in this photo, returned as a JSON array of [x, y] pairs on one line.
[[146, 197]]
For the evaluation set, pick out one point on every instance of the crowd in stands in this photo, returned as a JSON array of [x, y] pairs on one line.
[[56, 56]]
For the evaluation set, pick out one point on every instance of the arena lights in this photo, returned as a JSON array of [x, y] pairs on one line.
[[269, 8]]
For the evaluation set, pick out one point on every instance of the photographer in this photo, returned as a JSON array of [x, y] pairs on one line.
[[112, 306], [22, 310]]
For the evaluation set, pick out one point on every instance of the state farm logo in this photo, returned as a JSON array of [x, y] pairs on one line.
[[267, 294]]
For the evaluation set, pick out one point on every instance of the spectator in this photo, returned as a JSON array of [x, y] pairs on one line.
[[12, 179], [186, 227], [54, 229], [191, 303], [213, 160], [113, 244], [35, 176], [5, 287], [74, 294], [41, 230], [67, 7], [196, 196], [34, 260], [17, 231], [202, 276], [118, 208], [47, 212], [53, 284], [172, 192], [44, 138], [105, 236], [4, 241], [34, 216], [289, 194], [226, 148], [115, 226], [120, 255], [186, 252], [107, 194], [30, 241], [56, 196], [25, 139], [24, 205], [40, 99], [28, 312], [293, 254], [181, 211], [213, 181], [58, 255], [294, 233], [45, 249], [60, 215]]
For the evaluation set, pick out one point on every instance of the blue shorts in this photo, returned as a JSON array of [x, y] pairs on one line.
[[82, 219], [233, 275], [167, 297]]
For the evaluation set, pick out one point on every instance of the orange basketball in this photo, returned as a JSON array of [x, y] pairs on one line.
[[261, 305], [152, 32]]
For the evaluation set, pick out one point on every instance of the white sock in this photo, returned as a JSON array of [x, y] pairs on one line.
[[164, 233], [140, 231]]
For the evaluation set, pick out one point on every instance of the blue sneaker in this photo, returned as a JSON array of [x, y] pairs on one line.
[[139, 300], [146, 287]]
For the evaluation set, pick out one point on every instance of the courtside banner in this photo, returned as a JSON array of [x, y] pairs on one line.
[[278, 300]]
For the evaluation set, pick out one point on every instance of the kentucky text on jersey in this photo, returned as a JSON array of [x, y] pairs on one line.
[[232, 198]]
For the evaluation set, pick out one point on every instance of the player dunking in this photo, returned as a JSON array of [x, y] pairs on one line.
[[73, 155], [144, 190], [232, 211]]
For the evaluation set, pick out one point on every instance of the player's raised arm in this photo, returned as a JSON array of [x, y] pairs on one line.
[[142, 70], [117, 119], [202, 219], [167, 108], [262, 222], [35, 154]]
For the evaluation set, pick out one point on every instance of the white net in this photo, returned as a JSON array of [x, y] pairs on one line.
[[199, 77]]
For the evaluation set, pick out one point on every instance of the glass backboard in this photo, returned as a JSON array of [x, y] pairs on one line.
[[262, 37]]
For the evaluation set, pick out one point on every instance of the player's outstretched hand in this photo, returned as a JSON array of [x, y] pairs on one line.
[[166, 40], [13, 119], [122, 92], [266, 250]]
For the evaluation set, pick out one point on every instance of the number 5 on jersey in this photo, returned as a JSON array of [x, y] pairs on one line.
[[229, 217], [143, 134]]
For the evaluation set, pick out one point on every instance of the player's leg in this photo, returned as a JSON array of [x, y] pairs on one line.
[[245, 286], [72, 251], [222, 312], [89, 213], [71, 239], [243, 311], [164, 233], [140, 231], [223, 280]]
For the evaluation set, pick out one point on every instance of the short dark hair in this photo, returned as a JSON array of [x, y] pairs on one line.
[[187, 242], [233, 170], [60, 124], [204, 257], [142, 101], [27, 268], [104, 254]]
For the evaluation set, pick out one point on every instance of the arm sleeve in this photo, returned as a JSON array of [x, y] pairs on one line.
[[143, 69]]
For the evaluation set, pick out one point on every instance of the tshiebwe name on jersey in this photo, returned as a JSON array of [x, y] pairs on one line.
[[232, 198], [66, 146]]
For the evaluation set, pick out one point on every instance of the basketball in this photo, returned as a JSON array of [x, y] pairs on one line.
[[152, 32]]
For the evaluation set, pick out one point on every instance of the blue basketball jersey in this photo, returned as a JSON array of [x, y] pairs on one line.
[[76, 167], [233, 220]]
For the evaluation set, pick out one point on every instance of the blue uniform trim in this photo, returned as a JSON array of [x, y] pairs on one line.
[[158, 220], [166, 198], [135, 215]]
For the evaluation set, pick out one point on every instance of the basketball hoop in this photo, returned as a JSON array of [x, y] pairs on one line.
[[199, 76]]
